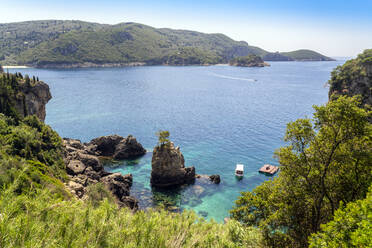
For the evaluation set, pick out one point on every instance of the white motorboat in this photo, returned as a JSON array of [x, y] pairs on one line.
[[239, 170]]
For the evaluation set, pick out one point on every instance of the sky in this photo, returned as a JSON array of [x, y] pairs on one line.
[[333, 28]]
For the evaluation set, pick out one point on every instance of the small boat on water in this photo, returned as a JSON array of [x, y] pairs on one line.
[[239, 170], [268, 169]]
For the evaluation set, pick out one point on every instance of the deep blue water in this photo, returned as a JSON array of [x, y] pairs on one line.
[[218, 115]]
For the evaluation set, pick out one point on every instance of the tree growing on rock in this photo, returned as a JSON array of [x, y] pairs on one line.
[[163, 137]]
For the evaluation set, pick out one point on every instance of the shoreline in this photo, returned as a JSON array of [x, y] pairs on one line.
[[118, 65], [16, 67]]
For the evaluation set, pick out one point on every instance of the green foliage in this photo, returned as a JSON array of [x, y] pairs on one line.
[[351, 78], [350, 227], [250, 60], [327, 162], [50, 222], [163, 137], [97, 192], [306, 55]]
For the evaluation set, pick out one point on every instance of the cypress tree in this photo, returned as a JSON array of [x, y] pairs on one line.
[[27, 81]]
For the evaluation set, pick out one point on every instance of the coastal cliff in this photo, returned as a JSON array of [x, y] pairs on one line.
[[353, 78], [23, 96]]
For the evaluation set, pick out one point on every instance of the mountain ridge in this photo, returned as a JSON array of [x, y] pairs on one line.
[[57, 43]]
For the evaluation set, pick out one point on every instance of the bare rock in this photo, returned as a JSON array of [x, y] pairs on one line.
[[90, 160], [168, 167], [117, 184], [128, 148], [106, 145], [75, 167], [215, 179]]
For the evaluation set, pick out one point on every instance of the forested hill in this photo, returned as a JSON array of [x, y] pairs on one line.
[[77, 43]]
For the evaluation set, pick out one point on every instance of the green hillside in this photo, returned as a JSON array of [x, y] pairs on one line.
[[306, 55], [57, 43]]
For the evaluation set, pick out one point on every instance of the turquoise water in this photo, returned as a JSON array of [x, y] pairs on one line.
[[218, 115]]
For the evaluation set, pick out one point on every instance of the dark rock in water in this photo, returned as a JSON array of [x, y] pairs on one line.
[[168, 167], [116, 146], [106, 145], [203, 213], [215, 178], [128, 148]]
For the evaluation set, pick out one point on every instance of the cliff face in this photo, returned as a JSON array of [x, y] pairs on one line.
[[168, 167], [35, 98], [353, 78], [20, 97]]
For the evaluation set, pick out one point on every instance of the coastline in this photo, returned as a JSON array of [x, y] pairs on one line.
[[16, 67], [132, 64]]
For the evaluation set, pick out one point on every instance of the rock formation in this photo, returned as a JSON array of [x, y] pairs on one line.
[[32, 99], [84, 167], [116, 146], [168, 167]]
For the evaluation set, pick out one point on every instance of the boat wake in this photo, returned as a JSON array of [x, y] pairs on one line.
[[233, 78]]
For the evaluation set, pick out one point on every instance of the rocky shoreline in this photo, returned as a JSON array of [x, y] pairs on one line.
[[84, 167]]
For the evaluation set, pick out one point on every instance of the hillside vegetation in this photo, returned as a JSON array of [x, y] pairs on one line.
[[306, 55], [353, 78], [65, 43]]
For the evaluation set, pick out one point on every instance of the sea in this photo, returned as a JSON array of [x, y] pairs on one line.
[[219, 116]]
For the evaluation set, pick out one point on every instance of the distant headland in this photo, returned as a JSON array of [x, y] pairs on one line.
[[70, 44]]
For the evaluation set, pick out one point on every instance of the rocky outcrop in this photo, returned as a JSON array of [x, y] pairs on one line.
[[84, 168], [215, 179], [116, 146], [32, 99], [168, 167]]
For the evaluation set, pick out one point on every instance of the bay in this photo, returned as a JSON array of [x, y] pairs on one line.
[[218, 115]]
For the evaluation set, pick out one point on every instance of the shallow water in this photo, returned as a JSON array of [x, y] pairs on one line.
[[218, 115]]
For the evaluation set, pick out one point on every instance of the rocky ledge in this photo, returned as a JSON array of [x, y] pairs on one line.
[[168, 167], [84, 167]]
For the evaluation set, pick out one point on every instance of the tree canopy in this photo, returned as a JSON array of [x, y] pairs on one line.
[[327, 161]]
